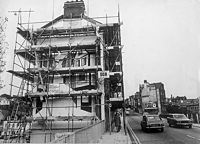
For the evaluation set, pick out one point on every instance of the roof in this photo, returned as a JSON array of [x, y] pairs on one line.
[[157, 85], [6, 96], [188, 102], [53, 21], [91, 20]]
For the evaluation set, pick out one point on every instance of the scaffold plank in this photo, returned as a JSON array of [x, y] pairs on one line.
[[65, 70], [65, 94], [22, 74], [63, 118]]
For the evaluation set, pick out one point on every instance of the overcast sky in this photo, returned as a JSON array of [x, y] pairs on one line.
[[161, 39]]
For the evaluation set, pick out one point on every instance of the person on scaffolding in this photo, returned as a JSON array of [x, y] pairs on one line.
[[117, 120]]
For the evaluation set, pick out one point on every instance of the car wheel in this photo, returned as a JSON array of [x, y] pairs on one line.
[[170, 125], [190, 126], [162, 129]]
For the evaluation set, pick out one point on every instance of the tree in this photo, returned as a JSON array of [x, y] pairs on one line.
[[3, 46]]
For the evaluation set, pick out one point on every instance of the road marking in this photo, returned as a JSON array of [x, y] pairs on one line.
[[136, 139], [196, 126], [193, 137]]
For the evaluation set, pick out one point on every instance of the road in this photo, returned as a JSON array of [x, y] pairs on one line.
[[170, 135]]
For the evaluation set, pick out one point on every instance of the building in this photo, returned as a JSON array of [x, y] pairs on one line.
[[138, 102], [191, 108], [72, 72], [153, 95], [135, 102], [180, 104], [178, 99], [132, 101]]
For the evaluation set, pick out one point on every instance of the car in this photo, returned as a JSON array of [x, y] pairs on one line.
[[152, 121], [179, 120], [127, 111]]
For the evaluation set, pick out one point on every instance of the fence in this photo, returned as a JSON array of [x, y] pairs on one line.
[[89, 134]]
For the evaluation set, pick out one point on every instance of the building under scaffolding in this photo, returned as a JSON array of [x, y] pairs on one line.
[[70, 72]]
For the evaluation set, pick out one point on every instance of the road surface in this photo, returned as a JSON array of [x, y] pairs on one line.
[[170, 135]]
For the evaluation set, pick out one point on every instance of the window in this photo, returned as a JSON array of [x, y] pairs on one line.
[[152, 118], [51, 61], [51, 78], [180, 116], [78, 63], [82, 77], [45, 63], [83, 61], [64, 62], [72, 62], [67, 63], [85, 99]]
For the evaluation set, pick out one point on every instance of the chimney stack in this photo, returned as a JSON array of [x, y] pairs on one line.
[[74, 9]]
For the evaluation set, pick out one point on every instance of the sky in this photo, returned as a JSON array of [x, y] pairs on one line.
[[161, 39]]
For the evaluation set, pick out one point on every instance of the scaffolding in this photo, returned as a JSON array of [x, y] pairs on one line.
[[67, 69]]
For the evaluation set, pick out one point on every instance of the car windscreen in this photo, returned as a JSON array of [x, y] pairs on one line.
[[180, 116], [153, 118]]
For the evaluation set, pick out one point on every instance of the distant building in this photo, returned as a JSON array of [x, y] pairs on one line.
[[181, 104], [138, 102], [192, 106], [178, 99], [153, 95]]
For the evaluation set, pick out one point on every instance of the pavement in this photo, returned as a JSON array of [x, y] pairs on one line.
[[196, 125], [115, 137]]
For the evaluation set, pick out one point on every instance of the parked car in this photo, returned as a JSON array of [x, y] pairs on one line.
[[152, 122], [179, 120], [127, 111]]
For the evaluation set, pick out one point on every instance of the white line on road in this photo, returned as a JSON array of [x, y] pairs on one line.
[[193, 137], [136, 139]]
